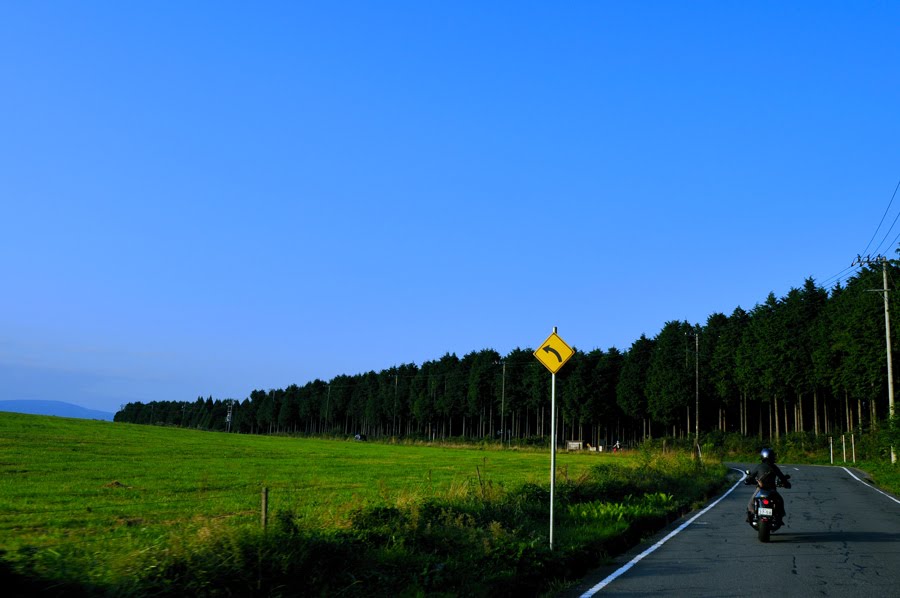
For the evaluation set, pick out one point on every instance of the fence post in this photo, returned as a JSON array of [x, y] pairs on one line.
[[265, 507], [831, 448]]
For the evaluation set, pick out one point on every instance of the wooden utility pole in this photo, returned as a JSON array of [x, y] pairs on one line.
[[887, 327], [887, 330], [697, 390], [696, 335], [503, 404]]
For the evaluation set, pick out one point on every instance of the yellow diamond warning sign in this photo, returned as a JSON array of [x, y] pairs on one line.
[[554, 353]]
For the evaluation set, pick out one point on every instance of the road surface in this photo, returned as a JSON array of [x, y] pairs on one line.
[[841, 538]]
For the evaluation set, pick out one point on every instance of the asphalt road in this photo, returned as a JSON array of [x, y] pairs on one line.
[[841, 538]]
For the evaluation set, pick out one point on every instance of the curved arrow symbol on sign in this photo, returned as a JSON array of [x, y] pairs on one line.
[[549, 349]]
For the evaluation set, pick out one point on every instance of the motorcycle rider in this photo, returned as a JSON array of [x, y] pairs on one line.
[[765, 475]]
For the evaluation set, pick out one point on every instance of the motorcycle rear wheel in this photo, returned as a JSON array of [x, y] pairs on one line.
[[763, 531]]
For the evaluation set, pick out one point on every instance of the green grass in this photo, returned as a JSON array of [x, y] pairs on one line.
[[131, 510], [76, 481]]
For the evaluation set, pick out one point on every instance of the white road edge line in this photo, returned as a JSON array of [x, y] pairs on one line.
[[870, 486], [613, 576]]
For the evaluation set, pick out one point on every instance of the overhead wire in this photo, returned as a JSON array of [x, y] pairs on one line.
[[865, 251], [839, 278], [895, 241], [878, 250], [849, 272]]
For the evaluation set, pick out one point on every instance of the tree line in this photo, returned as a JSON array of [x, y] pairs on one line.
[[813, 360]]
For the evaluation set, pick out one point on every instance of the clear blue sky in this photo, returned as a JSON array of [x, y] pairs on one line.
[[203, 198]]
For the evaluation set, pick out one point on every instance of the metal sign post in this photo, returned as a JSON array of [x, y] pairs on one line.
[[552, 451], [554, 353]]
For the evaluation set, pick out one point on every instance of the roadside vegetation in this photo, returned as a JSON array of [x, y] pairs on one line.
[[102, 509]]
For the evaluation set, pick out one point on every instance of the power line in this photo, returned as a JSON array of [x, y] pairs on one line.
[[866, 250], [894, 242], [888, 233], [843, 276], [879, 248], [839, 277]]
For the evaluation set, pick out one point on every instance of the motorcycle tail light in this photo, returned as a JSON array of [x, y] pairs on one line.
[[765, 501]]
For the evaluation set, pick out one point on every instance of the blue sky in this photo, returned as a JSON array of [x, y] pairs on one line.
[[208, 198]]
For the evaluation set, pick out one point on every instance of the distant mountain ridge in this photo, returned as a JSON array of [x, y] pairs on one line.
[[57, 408]]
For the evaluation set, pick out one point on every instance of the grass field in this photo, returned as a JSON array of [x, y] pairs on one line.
[[89, 489]]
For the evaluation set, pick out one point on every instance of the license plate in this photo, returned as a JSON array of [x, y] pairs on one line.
[[763, 511]]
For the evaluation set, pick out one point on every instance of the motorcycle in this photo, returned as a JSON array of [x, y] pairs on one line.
[[765, 503]]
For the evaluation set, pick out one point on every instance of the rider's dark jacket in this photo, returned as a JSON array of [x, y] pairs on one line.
[[766, 474]]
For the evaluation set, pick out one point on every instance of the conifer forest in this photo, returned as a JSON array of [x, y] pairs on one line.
[[813, 360]]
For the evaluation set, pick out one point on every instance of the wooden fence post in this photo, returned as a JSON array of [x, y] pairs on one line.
[[265, 507]]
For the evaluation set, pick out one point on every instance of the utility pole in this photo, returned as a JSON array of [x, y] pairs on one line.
[[697, 390], [327, 406], [503, 404], [887, 330], [696, 335]]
